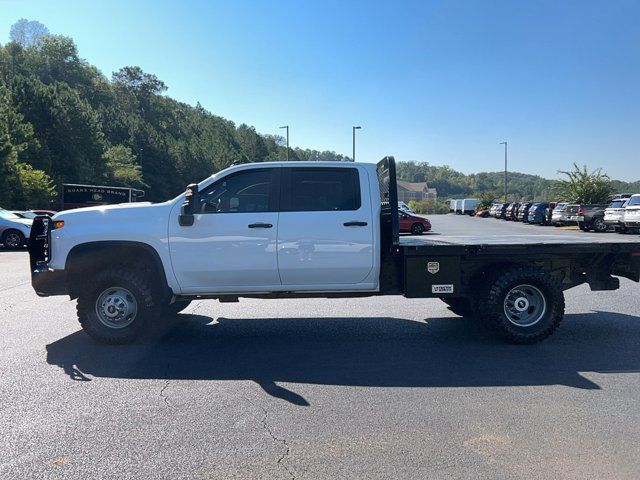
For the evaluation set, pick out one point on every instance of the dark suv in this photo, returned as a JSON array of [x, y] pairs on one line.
[[523, 212]]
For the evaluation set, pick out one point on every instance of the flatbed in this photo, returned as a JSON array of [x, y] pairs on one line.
[[309, 229]]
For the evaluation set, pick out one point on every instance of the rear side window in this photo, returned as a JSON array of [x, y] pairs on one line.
[[323, 190]]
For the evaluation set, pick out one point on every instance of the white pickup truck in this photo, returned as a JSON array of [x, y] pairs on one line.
[[303, 229]]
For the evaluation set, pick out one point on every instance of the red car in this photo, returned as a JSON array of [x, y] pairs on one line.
[[414, 224]]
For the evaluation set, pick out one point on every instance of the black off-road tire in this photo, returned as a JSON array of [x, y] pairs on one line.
[[417, 229], [492, 310], [13, 239], [145, 296]]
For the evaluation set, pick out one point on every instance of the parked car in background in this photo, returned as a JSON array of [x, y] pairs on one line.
[[48, 213], [501, 210], [482, 213], [614, 215], [523, 212], [413, 223], [538, 213], [559, 214], [512, 211], [24, 214], [591, 217], [632, 214], [621, 196], [14, 230], [469, 206], [403, 207]]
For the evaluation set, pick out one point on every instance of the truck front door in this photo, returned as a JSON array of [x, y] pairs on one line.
[[231, 245], [325, 231]]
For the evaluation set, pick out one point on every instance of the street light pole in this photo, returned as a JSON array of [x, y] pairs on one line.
[[505, 169], [353, 159], [287, 127]]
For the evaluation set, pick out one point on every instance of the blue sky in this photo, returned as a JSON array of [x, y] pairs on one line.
[[436, 81]]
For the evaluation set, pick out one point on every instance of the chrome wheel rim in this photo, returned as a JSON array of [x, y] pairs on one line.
[[116, 307], [13, 240], [524, 305]]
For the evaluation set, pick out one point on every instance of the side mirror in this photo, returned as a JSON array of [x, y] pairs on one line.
[[188, 208]]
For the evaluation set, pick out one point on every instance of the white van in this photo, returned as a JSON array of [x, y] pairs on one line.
[[469, 206], [458, 209]]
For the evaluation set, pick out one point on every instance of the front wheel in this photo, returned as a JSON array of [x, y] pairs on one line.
[[13, 239], [417, 229], [523, 305], [117, 306]]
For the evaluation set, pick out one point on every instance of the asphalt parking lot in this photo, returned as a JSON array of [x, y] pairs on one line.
[[355, 388]]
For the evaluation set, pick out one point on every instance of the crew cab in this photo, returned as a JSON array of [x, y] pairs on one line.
[[302, 229]]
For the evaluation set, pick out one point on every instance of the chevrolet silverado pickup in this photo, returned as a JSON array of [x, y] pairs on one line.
[[304, 229]]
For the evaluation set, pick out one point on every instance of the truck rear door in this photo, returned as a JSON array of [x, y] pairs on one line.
[[325, 229]]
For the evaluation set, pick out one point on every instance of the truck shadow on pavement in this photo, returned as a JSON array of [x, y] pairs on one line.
[[371, 352]]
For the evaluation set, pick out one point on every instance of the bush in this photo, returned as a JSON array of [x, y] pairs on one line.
[[429, 207]]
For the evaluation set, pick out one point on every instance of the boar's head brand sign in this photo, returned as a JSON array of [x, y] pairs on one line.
[[433, 267]]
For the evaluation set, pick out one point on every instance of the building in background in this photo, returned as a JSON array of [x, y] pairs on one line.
[[415, 191]]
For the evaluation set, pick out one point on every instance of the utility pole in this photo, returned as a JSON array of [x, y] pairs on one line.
[[505, 169], [287, 127], [353, 159]]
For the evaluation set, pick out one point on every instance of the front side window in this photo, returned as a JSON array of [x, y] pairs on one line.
[[324, 189], [633, 201], [243, 192]]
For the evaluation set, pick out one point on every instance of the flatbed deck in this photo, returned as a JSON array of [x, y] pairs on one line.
[[452, 235]]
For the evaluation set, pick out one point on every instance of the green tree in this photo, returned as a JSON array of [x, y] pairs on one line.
[[123, 168], [28, 33], [36, 189], [133, 78], [487, 199], [582, 186]]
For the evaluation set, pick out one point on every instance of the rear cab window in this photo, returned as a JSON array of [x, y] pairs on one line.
[[320, 189]]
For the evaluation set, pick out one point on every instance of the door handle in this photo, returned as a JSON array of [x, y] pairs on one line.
[[355, 224], [260, 225]]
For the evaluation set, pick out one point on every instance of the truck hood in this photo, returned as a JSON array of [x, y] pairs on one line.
[[138, 210]]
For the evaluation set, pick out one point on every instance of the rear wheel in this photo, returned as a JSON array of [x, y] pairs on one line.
[[523, 305], [599, 225], [13, 239], [117, 306], [417, 229]]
